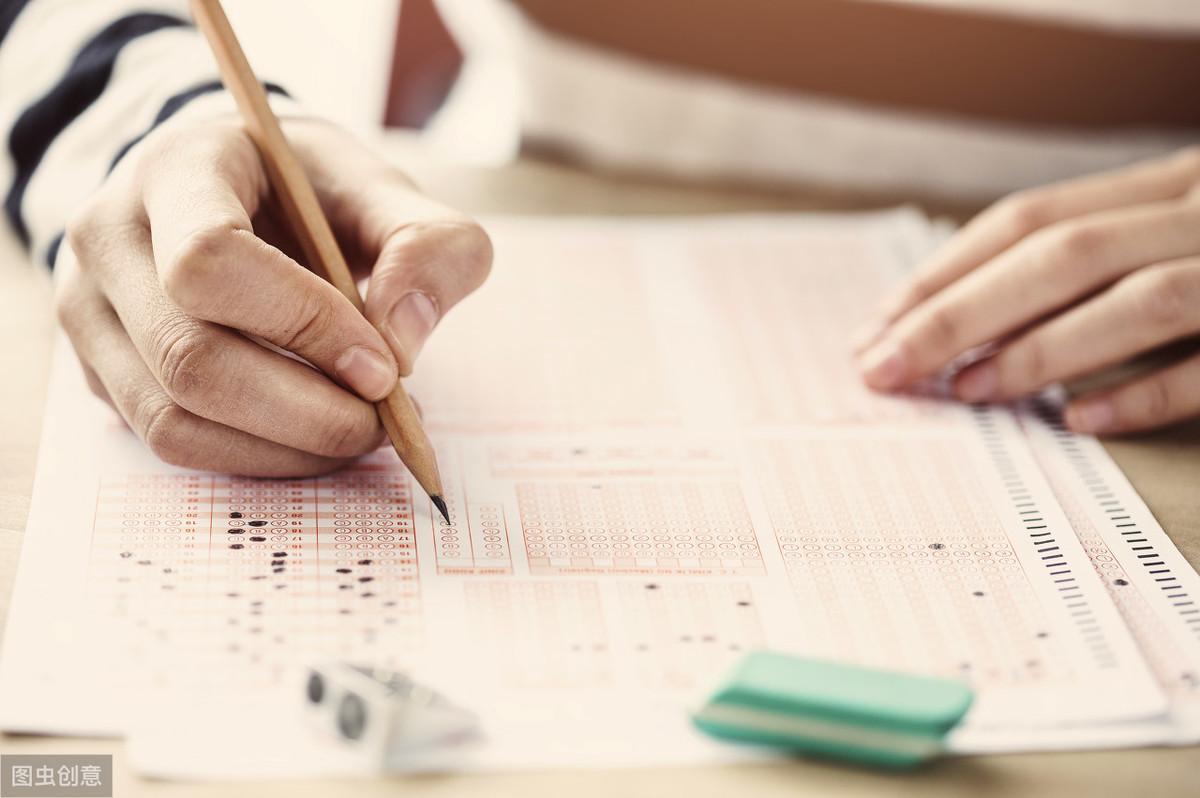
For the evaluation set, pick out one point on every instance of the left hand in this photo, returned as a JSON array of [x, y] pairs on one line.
[[1066, 280]]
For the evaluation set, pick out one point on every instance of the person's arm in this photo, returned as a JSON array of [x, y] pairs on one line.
[[123, 147], [1064, 280], [82, 83], [948, 60]]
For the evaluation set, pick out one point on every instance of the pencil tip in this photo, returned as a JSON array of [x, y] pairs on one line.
[[440, 503]]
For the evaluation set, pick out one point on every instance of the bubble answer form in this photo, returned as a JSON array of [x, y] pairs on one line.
[[657, 457]]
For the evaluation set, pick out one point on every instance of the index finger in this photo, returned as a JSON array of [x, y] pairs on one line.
[[213, 266], [1044, 273], [1021, 214]]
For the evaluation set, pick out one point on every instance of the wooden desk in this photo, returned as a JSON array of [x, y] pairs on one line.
[[1165, 468]]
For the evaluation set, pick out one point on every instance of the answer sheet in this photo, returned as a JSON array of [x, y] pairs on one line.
[[657, 456]]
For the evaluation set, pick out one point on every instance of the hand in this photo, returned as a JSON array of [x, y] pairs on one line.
[[182, 254], [1065, 280]]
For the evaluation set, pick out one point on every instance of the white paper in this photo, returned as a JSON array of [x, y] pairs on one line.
[[1154, 587], [657, 456]]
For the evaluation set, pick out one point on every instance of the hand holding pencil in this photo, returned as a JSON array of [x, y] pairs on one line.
[[307, 223], [187, 249]]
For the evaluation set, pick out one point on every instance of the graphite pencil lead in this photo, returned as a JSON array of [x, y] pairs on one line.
[[440, 503]]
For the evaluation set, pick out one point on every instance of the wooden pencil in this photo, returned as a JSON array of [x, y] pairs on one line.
[[308, 222]]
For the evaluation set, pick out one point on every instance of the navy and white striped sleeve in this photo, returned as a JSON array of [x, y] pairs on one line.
[[83, 83]]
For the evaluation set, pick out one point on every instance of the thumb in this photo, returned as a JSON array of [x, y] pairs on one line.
[[424, 269]]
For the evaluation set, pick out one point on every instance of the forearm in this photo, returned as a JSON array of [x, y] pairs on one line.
[[917, 57], [83, 83]]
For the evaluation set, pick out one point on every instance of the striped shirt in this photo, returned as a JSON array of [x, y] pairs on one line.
[[83, 84]]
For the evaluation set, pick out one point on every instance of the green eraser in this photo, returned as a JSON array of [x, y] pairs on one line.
[[835, 710]]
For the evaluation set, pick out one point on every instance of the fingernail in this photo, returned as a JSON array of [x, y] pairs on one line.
[[368, 372], [978, 383], [1093, 416], [884, 366], [410, 322]]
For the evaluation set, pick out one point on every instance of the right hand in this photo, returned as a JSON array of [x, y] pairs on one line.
[[182, 253]]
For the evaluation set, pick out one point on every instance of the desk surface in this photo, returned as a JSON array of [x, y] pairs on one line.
[[1165, 468]]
